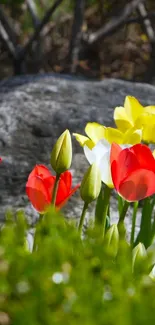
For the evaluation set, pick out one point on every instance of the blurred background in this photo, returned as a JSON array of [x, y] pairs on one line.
[[93, 39]]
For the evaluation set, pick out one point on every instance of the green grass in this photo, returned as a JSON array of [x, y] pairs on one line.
[[69, 281]]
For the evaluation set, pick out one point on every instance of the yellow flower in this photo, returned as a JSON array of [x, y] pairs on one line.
[[134, 115], [96, 132]]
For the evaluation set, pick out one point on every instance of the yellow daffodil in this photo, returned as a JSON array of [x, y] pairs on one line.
[[96, 132], [97, 145], [134, 115]]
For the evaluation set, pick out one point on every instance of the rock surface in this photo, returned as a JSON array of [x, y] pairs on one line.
[[34, 111]]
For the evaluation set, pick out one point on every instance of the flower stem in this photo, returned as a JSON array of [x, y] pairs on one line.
[[121, 226], [124, 211], [98, 208], [35, 238], [55, 189], [135, 208], [34, 242], [85, 207], [102, 207]]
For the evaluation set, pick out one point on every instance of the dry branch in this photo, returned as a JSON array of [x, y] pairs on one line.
[[114, 23], [7, 41], [76, 34], [39, 29], [146, 22], [33, 12]]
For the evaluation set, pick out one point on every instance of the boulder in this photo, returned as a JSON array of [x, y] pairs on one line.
[[35, 110]]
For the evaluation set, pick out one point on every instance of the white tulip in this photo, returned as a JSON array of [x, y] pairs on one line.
[[100, 154]]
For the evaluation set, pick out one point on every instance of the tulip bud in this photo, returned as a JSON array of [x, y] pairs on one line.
[[61, 156], [111, 240], [151, 254], [139, 254], [91, 184], [152, 274]]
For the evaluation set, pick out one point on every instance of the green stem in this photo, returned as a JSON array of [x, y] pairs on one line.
[[121, 227], [36, 233], [34, 242], [120, 204], [85, 207], [144, 235], [124, 211], [98, 208], [55, 189], [102, 207], [135, 208], [152, 231]]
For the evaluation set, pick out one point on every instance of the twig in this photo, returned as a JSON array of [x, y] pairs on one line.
[[7, 41], [33, 12], [8, 27], [38, 29], [52, 24], [67, 18], [114, 23], [38, 44], [151, 36], [76, 34], [140, 19], [146, 22]]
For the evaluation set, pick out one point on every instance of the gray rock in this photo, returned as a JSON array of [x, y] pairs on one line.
[[35, 110]]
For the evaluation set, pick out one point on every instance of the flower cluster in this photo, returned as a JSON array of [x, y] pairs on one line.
[[120, 159], [126, 167]]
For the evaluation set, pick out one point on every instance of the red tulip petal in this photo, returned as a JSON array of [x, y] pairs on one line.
[[62, 192], [114, 154], [49, 183], [40, 170], [115, 151], [144, 156], [67, 198], [127, 163], [67, 178], [139, 184], [114, 172], [38, 194]]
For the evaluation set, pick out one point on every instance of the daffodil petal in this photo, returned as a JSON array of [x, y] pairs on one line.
[[84, 140], [95, 131], [149, 133], [150, 109], [132, 136], [114, 135], [121, 118], [148, 127], [133, 108]]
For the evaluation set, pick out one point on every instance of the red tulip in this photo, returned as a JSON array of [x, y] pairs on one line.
[[133, 171], [40, 184]]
